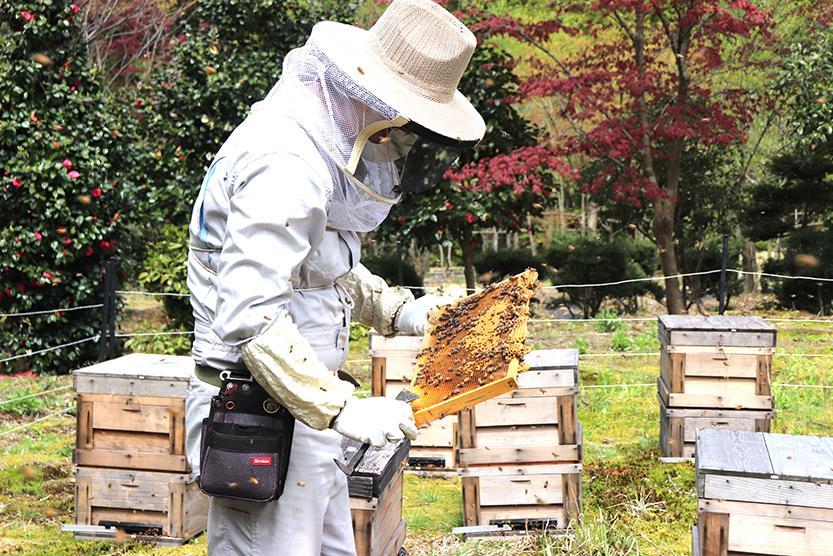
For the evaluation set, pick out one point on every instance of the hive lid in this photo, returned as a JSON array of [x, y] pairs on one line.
[[545, 359], [771, 456], [381, 346], [722, 330], [142, 365]]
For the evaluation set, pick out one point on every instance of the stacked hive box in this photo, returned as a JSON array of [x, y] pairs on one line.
[[393, 360], [521, 452], [376, 498], [714, 373], [131, 472], [763, 494]]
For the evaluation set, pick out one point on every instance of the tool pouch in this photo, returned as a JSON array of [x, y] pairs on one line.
[[246, 441]]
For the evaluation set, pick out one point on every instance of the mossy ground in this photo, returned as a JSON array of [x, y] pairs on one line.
[[633, 504]]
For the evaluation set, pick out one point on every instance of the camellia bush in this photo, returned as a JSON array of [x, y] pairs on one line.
[[63, 146]]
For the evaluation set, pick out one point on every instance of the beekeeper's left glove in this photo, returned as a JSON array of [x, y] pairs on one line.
[[413, 316], [376, 420]]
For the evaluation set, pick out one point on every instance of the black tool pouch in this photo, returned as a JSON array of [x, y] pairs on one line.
[[246, 441]]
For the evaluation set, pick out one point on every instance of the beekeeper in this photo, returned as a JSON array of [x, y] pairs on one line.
[[274, 267]]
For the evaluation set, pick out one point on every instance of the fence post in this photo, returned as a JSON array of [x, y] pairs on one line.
[[105, 313], [400, 271], [111, 341], [107, 336], [723, 265]]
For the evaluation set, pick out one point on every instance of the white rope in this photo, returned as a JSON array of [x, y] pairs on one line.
[[30, 423], [789, 385], [638, 385], [136, 292], [50, 311], [38, 352], [787, 319], [161, 333], [631, 281], [782, 276], [35, 395], [621, 354], [616, 319]]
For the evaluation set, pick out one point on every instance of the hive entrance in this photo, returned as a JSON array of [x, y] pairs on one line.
[[473, 349]]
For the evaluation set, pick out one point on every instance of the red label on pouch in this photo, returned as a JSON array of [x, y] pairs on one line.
[[262, 460]]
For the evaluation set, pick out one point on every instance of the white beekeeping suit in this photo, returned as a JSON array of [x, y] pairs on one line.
[[274, 267]]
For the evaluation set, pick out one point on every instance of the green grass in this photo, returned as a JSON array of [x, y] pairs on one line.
[[633, 504]]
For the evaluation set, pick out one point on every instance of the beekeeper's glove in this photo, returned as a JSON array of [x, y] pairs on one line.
[[413, 316], [376, 421]]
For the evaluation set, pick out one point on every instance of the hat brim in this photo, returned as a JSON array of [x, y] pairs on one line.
[[349, 48]]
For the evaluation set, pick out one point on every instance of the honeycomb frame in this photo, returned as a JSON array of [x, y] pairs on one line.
[[474, 349]]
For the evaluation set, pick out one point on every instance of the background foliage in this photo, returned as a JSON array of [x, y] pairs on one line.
[[68, 198]]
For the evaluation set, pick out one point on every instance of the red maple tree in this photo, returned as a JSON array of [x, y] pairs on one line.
[[653, 81]]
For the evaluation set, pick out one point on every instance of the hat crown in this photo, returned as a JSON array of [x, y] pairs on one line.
[[424, 44]]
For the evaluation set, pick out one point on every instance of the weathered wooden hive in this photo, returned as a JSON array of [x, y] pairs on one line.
[[521, 452], [131, 473], [714, 373], [376, 498], [763, 494], [393, 359]]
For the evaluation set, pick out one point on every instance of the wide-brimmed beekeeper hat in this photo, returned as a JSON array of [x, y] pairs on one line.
[[412, 59]]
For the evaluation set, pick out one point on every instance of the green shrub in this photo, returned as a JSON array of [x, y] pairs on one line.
[[807, 253], [166, 271], [588, 260], [386, 266], [65, 153], [494, 266], [606, 322]]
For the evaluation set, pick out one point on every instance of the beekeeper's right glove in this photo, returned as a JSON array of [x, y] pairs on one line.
[[376, 421]]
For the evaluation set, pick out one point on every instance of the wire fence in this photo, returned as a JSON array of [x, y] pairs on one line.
[[534, 321]]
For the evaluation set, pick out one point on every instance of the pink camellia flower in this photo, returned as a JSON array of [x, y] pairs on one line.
[[96, 192], [27, 16], [34, 117], [470, 218], [38, 236], [48, 275], [104, 244], [74, 8], [73, 174], [17, 182], [67, 164], [89, 252], [67, 241]]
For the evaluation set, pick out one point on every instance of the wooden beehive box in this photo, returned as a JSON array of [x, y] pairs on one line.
[[131, 413], [763, 494], [715, 362], [521, 452], [165, 508], [678, 426], [393, 360], [376, 498]]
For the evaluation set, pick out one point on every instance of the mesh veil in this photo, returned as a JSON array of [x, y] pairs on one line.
[[333, 109]]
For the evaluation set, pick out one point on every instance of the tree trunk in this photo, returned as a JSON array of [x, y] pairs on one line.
[[750, 264], [663, 227], [468, 258]]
